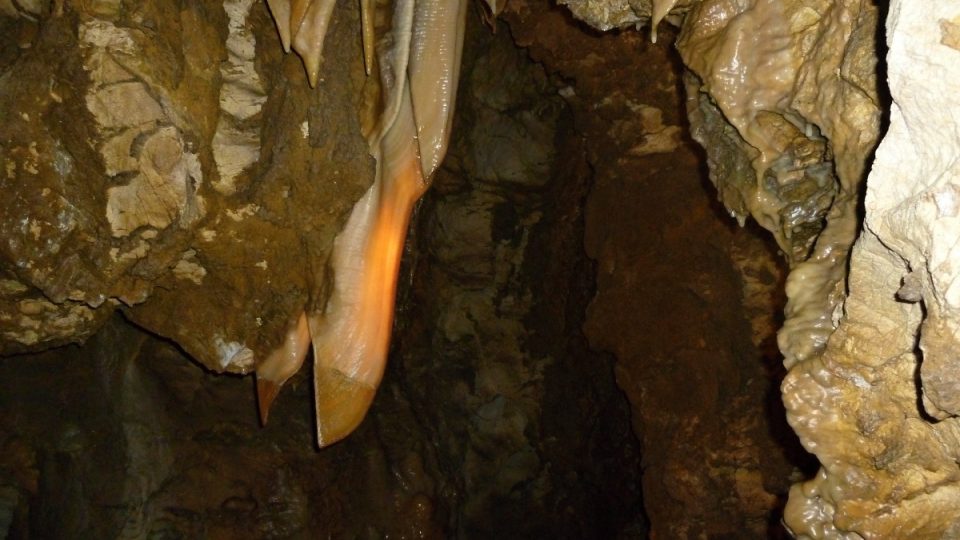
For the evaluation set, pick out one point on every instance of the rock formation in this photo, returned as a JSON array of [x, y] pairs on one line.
[[174, 167], [784, 98], [185, 455], [158, 160], [878, 406]]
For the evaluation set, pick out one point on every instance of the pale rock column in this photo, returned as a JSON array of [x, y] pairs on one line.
[[879, 407]]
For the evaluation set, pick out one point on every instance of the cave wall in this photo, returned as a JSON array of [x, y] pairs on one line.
[[125, 437], [537, 437], [156, 159], [686, 300], [495, 417], [788, 99], [878, 404]]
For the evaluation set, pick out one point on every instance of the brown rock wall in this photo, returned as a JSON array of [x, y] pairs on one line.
[[685, 300], [172, 161]]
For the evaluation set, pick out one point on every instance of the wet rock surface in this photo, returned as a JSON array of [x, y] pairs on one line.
[[162, 158], [170, 168], [879, 404], [495, 418], [685, 299], [869, 331]]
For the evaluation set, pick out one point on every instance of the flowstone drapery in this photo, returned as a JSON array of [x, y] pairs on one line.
[[784, 97]]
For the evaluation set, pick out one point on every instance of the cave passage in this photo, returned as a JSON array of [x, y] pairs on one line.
[[584, 347]]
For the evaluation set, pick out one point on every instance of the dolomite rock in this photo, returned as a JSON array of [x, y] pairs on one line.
[[172, 164], [879, 407]]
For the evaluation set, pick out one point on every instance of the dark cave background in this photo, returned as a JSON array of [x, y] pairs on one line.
[[584, 348]]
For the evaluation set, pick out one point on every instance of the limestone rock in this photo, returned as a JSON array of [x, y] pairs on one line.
[[803, 111], [609, 14], [888, 445], [690, 343], [788, 89], [170, 163]]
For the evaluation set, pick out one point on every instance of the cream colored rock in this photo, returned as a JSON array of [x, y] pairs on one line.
[[236, 143], [889, 468], [129, 137], [785, 101], [165, 190], [608, 14], [796, 82], [139, 139]]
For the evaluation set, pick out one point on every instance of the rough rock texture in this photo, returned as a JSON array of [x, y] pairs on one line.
[[125, 438], [685, 301], [494, 419], [608, 14], [803, 112], [534, 436], [157, 158], [783, 96], [879, 407]]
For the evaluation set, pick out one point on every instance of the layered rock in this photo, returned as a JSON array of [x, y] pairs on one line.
[[158, 159], [878, 406]]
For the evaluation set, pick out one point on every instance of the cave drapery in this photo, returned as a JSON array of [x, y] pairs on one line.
[[173, 188]]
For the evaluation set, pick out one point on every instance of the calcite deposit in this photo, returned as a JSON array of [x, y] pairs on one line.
[[878, 407], [163, 162], [806, 152], [170, 167], [784, 97]]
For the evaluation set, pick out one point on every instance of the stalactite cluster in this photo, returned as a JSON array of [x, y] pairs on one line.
[[176, 167]]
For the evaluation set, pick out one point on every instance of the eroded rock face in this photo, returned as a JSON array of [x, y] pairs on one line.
[[878, 407], [607, 14], [804, 111], [684, 301], [157, 159], [494, 417], [531, 420], [783, 96]]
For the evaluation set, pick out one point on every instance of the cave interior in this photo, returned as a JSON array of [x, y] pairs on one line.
[[585, 339]]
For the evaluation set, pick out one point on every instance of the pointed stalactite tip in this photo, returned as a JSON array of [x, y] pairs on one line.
[[267, 391], [341, 402]]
